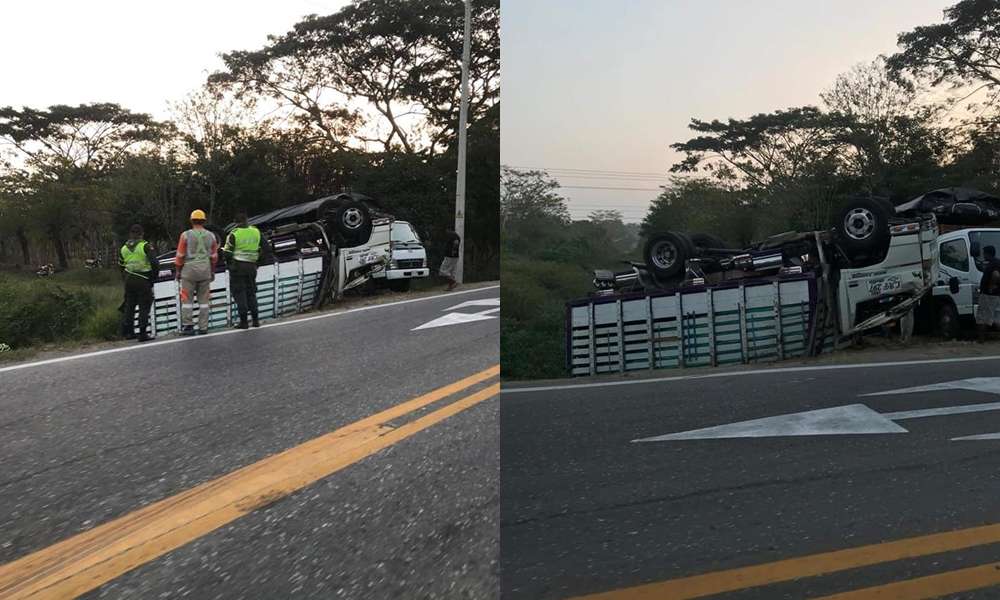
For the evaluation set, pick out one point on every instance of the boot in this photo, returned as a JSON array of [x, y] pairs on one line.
[[256, 322], [187, 330], [242, 324]]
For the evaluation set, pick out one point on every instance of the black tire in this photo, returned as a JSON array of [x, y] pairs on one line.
[[666, 254], [707, 240], [947, 324], [353, 222], [400, 285], [863, 227]]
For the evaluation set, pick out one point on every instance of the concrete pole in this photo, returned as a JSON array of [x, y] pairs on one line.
[[462, 125]]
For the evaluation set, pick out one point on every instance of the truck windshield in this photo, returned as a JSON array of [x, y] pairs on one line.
[[979, 240], [403, 232]]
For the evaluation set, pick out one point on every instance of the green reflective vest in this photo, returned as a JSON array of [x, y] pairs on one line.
[[135, 260], [245, 243], [199, 246]]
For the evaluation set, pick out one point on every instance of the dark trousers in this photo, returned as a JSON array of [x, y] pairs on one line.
[[243, 284], [138, 294]]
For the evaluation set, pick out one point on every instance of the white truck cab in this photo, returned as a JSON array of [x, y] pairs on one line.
[[956, 292], [407, 255]]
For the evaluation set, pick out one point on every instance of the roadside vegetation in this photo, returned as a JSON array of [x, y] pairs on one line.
[[924, 118], [72, 306]]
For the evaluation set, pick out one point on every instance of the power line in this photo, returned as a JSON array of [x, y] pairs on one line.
[[623, 189], [600, 171]]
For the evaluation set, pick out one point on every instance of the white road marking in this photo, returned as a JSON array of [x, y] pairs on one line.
[[578, 386], [135, 347], [990, 385], [458, 318], [839, 420], [941, 411], [483, 302], [982, 436]]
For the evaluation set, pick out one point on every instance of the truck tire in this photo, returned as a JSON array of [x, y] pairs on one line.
[[666, 254], [353, 222], [947, 324], [863, 227], [707, 240]]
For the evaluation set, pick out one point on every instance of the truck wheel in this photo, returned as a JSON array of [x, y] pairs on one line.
[[353, 221], [947, 321], [863, 227], [666, 254]]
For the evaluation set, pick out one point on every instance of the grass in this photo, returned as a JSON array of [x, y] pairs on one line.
[[533, 315], [73, 306]]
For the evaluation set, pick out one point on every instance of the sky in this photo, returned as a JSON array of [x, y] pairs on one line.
[[596, 85], [141, 55]]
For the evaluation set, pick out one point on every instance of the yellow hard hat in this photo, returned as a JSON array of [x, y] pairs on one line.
[[197, 215]]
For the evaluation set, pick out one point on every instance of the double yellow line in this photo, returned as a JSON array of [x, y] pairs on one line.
[[83, 562], [923, 588]]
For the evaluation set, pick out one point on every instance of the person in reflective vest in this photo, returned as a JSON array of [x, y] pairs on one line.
[[197, 254], [243, 252], [137, 259]]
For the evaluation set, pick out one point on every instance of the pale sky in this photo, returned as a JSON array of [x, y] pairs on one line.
[[138, 54], [608, 86]]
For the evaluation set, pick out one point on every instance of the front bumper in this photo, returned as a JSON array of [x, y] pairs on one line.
[[406, 273]]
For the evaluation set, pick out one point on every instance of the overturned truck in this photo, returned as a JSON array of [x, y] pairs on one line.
[[697, 301], [313, 253]]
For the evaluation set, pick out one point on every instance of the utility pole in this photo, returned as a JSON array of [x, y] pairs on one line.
[[463, 116]]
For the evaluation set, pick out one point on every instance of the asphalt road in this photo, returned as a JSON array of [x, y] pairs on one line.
[[87, 441], [586, 510]]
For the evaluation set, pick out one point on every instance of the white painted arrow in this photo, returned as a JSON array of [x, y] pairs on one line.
[[483, 302], [839, 420], [458, 318], [982, 436], [989, 385]]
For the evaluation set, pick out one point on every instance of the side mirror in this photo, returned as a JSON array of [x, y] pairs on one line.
[[953, 285]]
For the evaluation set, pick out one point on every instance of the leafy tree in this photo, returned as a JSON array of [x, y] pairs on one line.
[[529, 206], [67, 152], [399, 58], [963, 50], [764, 150]]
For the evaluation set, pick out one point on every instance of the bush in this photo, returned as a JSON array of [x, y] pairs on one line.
[[31, 314], [76, 305], [102, 324], [533, 314]]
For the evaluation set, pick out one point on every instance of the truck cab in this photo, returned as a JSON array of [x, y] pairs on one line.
[[407, 255], [956, 292]]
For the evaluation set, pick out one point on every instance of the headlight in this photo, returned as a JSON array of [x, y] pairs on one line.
[[392, 264]]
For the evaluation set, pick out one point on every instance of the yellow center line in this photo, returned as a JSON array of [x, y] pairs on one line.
[[85, 561], [932, 586], [718, 582]]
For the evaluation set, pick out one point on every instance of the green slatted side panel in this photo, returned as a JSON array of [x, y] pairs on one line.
[[695, 329]]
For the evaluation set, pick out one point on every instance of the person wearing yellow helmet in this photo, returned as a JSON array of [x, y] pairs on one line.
[[197, 254]]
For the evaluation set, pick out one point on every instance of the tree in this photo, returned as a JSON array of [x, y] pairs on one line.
[[67, 150], [762, 151], [14, 214], [892, 141], [964, 50], [702, 205], [378, 71], [529, 207]]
